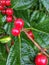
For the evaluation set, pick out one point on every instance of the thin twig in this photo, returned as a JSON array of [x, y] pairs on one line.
[[7, 48], [36, 44], [14, 17]]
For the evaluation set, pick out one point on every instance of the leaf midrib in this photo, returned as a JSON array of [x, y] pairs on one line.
[[37, 30]]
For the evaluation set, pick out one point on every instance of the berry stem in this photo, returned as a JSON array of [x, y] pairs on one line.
[[14, 17], [35, 43], [20, 45]]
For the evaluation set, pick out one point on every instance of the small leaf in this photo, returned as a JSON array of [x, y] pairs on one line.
[[5, 39]]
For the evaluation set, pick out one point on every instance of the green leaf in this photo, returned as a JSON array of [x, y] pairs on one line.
[[1, 31], [46, 4], [3, 55], [42, 39], [40, 22], [21, 4], [2, 20], [27, 53], [14, 55], [5, 39]]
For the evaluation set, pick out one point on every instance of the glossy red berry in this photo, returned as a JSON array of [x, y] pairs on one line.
[[8, 2], [9, 11], [19, 23], [1, 7], [3, 2], [41, 60], [15, 31], [30, 34], [3, 11], [9, 19]]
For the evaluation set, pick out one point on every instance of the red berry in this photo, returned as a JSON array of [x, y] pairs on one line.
[[1, 7], [9, 11], [19, 23], [15, 31], [41, 59], [9, 19], [3, 2], [8, 3], [31, 34], [3, 11]]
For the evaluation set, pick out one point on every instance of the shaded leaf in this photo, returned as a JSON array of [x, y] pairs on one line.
[[46, 4], [21, 4]]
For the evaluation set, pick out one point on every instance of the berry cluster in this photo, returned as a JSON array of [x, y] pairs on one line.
[[7, 11], [4, 3], [18, 23]]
